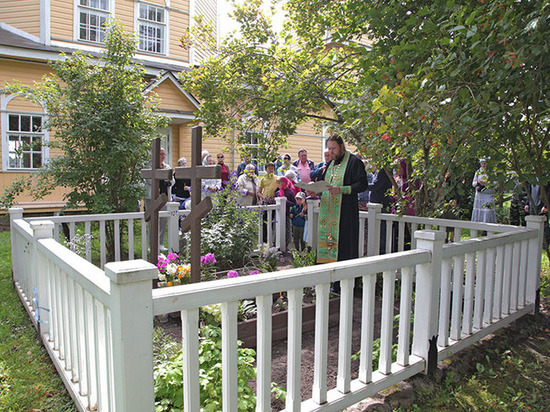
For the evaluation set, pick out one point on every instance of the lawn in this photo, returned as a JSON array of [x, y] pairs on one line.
[[28, 379]]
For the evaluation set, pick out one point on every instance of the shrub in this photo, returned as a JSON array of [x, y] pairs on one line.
[[169, 376], [228, 231], [268, 258], [304, 258]]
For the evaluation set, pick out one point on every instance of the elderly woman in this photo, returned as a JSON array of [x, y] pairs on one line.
[[181, 191], [484, 201], [248, 185], [210, 186]]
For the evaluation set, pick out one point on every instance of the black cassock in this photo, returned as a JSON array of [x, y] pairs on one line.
[[356, 177]]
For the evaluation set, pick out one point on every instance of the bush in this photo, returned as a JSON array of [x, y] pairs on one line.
[[228, 231], [169, 376], [305, 258]]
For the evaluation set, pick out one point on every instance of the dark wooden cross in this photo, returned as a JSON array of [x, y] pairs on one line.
[[199, 208], [158, 200]]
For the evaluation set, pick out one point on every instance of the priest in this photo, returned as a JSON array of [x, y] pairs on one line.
[[339, 211]]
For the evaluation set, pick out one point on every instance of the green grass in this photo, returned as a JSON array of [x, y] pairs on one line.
[[28, 379]]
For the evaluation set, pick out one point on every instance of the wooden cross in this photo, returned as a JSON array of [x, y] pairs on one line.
[[199, 208], [158, 200]]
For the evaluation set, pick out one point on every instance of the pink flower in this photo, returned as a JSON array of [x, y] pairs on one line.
[[255, 272], [172, 256], [162, 264], [232, 274], [208, 259]]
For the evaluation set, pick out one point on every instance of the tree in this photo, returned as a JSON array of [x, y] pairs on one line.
[[438, 83], [103, 125]]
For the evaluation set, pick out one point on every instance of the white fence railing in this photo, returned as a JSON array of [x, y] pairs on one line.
[[130, 231], [97, 324]]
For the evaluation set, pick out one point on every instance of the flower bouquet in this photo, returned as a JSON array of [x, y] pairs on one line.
[[172, 271]]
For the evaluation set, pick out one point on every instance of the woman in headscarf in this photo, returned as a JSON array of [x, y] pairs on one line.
[[484, 201], [247, 184], [286, 189]]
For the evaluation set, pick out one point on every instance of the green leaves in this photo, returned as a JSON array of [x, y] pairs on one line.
[[397, 80], [103, 125], [168, 376]]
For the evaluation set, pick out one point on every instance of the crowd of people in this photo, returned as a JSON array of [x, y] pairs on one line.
[[351, 183]]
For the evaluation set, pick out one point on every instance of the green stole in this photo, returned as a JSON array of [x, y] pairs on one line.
[[329, 213]]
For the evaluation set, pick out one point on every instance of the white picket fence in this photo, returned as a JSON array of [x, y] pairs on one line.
[[131, 231], [97, 324]]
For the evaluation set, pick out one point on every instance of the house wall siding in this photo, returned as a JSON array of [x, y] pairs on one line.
[[208, 10], [178, 18], [24, 72], [172, 98], [62, 19], [62, 22], [179, 22], [22, 14]]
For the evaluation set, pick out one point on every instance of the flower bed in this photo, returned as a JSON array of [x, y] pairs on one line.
[[247, 329], [174, 271]]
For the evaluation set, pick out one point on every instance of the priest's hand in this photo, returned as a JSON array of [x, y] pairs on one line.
[[334, 190]]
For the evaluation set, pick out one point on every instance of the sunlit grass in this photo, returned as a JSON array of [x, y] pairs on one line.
[[28, 379]]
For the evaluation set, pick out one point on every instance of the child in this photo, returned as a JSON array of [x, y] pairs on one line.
[[298, 221], [309, 196]]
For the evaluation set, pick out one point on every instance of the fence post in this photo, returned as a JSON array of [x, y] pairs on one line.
[[313, 222], [42, 229], [534, 256], [280, 214], [132, 334], [373, 238], [15, 213], [426, 302], [173, 226]]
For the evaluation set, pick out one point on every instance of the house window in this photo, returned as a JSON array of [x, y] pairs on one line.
[[92, 16], [255, 147], [152, 28], [25, 141]]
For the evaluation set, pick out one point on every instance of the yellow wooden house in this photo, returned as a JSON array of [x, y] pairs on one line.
[[33, 32]]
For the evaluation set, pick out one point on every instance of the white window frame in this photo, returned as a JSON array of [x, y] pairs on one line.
[[153, 25], [92, 7], [324, 141], [166, 142], [5, 133], [254, 136]]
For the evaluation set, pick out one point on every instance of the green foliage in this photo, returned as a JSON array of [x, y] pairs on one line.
[[212, 314], [165, 347], [103, 125], [305, 258], [376, 347], [268, 258], [437, 83], [169, 376], [504, 378], [228, 231], [247, 309]]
